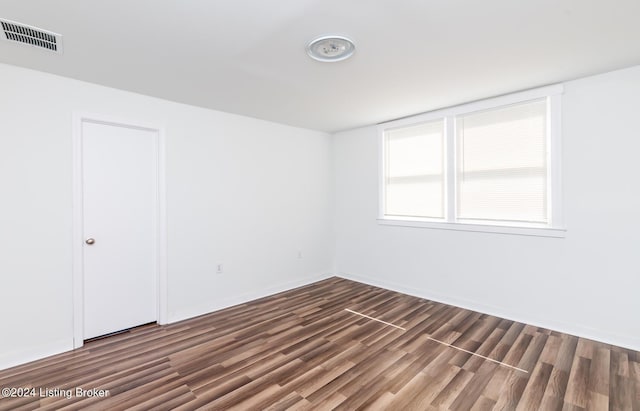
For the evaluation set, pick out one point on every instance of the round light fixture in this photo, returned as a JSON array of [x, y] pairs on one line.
[[331, 48]]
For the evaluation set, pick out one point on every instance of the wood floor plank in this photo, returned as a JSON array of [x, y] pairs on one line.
[[494, 387], [453, 389], [534, 391], [635, 378], [597, 401], [466, 398], [551, 403], [421, 391], [578, 382], [599, 372], [301, 350], [483, 404], [550, 351], [511, 392]]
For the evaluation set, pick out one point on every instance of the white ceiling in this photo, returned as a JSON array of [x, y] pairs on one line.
[[248, 57]]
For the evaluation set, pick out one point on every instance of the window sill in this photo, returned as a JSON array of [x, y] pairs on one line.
[[481, 228]]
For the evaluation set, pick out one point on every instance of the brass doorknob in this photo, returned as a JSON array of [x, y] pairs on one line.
[[90, 241]]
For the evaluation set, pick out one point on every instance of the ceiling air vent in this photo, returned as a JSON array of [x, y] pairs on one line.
[[31, 36]]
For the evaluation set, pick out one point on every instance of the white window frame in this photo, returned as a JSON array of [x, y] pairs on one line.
[[554, 227]]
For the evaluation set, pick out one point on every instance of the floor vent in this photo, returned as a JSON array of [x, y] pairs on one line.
[[31, 36]]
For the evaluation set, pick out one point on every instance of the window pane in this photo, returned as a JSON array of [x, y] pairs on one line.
[[414, 178], [502, 163]]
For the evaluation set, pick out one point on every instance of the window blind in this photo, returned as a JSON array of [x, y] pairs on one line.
[[502, 164], [414, 171]]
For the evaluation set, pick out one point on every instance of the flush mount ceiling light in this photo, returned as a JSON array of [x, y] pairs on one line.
[[331, 48]]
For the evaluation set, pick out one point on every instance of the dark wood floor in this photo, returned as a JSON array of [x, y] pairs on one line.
[[302, 350]]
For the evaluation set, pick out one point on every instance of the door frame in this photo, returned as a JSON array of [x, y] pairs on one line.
[[78, 219]]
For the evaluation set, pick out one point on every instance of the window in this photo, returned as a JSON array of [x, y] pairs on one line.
[[485, 166], [501, 164], [415, 171]]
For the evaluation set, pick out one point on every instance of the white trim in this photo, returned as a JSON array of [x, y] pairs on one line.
[[163, 278], [479, 105], [76, 247], [23, 356], [77, 240], [219, 304], [438, 341], [627, 341], [554, 227], [375, 319], [555, 161], [508, 99], [450, 173], [382, 172], [477, 355], [480, 228]]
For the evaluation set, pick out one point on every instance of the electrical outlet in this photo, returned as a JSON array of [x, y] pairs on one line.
[[219, 269]]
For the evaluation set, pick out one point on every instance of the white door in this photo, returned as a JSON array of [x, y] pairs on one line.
[[120, 203]]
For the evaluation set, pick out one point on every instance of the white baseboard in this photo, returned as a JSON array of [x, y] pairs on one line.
[[212, 306], [14, 358], [8, 360], [626, 341]]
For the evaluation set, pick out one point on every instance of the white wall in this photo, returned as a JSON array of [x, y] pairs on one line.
[[587, 284], [250, 194], [242, 192]]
